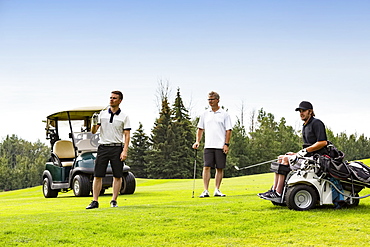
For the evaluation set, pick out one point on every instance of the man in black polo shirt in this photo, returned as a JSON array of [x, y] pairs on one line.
[[114, 140], [314, 141]]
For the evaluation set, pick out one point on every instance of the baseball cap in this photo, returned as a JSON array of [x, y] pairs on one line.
[[304, 105]]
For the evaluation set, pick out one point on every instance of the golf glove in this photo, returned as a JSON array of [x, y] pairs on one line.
[[302, 153], [95, 118], [292, 159]]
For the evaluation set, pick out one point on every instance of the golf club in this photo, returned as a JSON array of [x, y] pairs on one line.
[[105, 108], [195, 168], [242, 168]]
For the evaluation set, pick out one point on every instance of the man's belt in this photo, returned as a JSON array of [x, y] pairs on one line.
[[112, 145]]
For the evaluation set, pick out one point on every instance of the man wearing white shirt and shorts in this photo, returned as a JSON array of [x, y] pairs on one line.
[[216, 124], [113, 146]]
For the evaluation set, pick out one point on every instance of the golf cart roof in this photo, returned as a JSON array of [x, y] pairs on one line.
[[76, 114]]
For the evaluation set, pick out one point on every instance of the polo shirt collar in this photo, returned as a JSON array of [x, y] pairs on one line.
[[116, 113], [309, 121], [219, 110]]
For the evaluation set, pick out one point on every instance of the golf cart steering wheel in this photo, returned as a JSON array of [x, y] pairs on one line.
[[94, 141], [79, 137]]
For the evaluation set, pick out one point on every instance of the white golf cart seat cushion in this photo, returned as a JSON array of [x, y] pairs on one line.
[[64, 150]]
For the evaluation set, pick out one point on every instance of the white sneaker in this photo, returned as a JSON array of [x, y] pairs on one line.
[[204, 194], [218, 193]]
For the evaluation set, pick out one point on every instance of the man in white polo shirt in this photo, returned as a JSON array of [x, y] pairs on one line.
[[216, 124], [113, 146]]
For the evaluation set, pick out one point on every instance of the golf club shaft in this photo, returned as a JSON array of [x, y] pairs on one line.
[[195, 168], [262, 163]]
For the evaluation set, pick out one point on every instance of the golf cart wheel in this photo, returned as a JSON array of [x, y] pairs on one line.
[[128, 184], [301, 197], [81, 185], [46, 189]]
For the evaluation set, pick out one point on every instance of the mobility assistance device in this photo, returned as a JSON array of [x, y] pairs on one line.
[[322, 180]]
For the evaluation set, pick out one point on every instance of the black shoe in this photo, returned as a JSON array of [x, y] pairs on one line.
[[273, 195], [93, 204], [113, 204], [264, 193]]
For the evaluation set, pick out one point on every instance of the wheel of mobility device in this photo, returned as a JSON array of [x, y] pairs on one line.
[[301, 197], [355, 202], [81, 185], [46, 189]]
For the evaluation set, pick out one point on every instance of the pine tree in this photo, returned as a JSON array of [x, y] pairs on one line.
[[238, 155], [137, 152], [184, 136], [288, 140], [266, 143], [159, 156], [171, 154]]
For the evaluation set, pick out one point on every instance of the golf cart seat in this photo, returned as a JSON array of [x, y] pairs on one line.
[[64, 150]]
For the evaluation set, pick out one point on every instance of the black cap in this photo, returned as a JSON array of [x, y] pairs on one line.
[[304, 105]]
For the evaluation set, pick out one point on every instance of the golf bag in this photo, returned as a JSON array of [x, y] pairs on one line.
[[333, 164], [360, 171]]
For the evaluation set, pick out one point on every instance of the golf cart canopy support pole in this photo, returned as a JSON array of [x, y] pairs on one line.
[[72, 135]]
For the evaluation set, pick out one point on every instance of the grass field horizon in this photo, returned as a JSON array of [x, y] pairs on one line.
[[162, 212]]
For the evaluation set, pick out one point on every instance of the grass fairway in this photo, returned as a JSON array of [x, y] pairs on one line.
[[163, 213]]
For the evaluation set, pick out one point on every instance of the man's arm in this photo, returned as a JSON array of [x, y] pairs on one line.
[[126, 144], [198, 138], [227, 141], [228, 136], [316, 146], [94, 128]]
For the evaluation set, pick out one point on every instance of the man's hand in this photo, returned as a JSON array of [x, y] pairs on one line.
[[95, 119], [302, 153], [123, 155], [196, 145]]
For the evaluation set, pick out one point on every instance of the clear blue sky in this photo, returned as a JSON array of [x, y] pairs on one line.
[[58, 55]]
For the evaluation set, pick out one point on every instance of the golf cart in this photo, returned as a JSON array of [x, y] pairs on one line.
[[313, 184], [72, 161]]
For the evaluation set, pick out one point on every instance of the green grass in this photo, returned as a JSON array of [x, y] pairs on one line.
[[163, 213], [366, 161]]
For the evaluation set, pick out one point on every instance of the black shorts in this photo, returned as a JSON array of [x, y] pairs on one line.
[[106, 154], [215, 158]]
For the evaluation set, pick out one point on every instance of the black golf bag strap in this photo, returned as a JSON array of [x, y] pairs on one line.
[[280, 168]]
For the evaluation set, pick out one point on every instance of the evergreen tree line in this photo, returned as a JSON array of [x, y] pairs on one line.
[[168, 153], [21, 163]]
